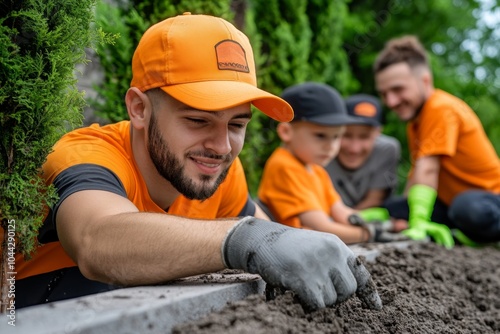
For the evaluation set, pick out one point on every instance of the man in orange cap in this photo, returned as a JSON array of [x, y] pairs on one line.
[[164, 196]]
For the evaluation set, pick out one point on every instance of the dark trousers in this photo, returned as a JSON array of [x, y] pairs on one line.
[[476, 213], [56, 285]]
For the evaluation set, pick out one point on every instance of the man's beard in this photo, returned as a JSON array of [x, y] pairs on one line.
[[172, 169], [419, 107]]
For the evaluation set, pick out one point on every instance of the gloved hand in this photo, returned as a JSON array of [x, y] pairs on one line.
[[379, 231], [441, 234], [421, 200], [317, 266]]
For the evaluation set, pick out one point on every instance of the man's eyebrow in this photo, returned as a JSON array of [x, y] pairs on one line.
[[244, 115], [216, 113]]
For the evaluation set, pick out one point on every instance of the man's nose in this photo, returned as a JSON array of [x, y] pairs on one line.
[[354, 146], [391, 100], [219, 142]]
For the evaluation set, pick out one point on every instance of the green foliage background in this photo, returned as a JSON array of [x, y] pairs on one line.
[[41, 42], [328, 41], [293, 42]]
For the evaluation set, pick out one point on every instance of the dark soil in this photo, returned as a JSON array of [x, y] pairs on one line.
[[425, 288]]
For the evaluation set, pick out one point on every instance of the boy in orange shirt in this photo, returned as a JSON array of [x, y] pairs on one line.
[[295, 187], [454, 182]]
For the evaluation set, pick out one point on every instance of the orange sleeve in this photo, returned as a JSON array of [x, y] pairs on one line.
[[437, 134], [94, 145]]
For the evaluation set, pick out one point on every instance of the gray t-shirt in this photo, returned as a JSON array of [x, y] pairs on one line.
[[379, 172]]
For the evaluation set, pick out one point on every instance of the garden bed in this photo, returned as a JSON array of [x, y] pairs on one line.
[[425, 288]]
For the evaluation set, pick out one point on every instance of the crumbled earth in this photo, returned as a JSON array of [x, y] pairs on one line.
[[425, 288]]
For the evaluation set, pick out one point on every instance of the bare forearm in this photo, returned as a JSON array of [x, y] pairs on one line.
[[347, 233], [372, 199], [147, 248], [427, 171], [319, 221]]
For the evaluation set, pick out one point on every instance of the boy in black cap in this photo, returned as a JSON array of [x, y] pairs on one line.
[[295, 187], [365, 171]]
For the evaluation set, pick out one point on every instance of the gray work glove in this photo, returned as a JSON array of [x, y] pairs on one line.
[[379, 231], [317, 266]]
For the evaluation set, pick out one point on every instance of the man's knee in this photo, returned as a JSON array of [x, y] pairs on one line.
[[477, 214], [471, 206]]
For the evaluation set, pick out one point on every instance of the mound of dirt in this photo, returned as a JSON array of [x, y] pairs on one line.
[[425, 288]]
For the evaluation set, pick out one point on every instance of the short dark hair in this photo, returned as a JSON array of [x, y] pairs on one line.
[[155, 94], [407, 49]]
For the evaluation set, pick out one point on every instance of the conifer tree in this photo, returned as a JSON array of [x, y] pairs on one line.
[[41, 42]]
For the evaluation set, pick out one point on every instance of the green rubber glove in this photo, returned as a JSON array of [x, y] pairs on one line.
[[372, 214], [464, 240], [421, 199], [439, 232]]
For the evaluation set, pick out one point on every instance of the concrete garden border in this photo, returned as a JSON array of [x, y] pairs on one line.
[[149, 309]]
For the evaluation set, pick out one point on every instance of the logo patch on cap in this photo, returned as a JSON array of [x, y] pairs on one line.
[[231, 56], [365, 109]]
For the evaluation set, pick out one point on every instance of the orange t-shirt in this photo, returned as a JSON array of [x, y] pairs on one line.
[[289, 188], [109, 146], [449, 128]]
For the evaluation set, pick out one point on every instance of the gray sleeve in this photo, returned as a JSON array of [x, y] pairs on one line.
[[74, 179], [248, 209], [388, 153]]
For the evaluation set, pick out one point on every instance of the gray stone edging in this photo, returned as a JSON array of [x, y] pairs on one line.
[[148, 309]]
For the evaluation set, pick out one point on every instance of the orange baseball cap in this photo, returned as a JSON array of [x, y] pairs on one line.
[[204, 62]]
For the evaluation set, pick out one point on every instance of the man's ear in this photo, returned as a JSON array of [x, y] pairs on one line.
[[138, 107], [427, 78]]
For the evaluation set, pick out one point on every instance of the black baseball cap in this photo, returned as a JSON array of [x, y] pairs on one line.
[[317, 103], [365, 109]]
